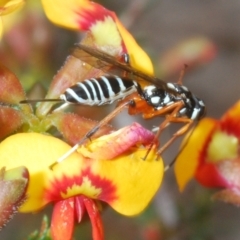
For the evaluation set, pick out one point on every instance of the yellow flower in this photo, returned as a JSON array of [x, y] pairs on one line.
[[212, 156], [119, 177], [105, 27]]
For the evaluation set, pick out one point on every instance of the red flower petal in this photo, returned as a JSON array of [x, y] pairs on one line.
[[230, 121], [63, 220], [93, 212], [124, 139]]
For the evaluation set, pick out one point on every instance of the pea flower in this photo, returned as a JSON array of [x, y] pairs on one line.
[[212, 156], [109, 169], [103, 24]]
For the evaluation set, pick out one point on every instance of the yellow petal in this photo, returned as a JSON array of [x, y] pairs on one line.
[[227, 135], [139, 58], [64, 13], [36, 152], [103, 24], [1, 27], [187, 161], [137, 180], [127, 182], [233, 114], [221, 147]]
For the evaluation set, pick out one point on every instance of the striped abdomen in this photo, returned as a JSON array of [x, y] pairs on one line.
[[99, 91]]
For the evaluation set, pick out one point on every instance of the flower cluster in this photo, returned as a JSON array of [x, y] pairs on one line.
[[109, 168]]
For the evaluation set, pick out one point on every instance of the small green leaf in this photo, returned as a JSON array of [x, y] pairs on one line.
[[43, 233]]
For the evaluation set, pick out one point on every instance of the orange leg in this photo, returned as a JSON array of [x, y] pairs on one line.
[[181, 131], [174, 109], [88, 135], [171, 117]]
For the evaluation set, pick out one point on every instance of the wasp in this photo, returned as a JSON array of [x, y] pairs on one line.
[[141, 93]]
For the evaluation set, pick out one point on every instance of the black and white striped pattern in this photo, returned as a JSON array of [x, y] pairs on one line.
[[158, 93], [99, 91], [108, 89]]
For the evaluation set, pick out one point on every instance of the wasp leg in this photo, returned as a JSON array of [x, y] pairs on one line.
[[188, 122], [181, 150], [174, 109], [89, 134]]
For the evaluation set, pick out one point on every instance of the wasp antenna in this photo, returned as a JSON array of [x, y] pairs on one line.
[[182, 73], [40, 100], [8, 104]]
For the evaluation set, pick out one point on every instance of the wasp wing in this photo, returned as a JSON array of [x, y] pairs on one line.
[[101, 60]]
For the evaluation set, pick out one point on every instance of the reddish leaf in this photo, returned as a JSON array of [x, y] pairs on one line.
[[10, 121], [13, 186], [11, 90], [74, 127], [63, 220]]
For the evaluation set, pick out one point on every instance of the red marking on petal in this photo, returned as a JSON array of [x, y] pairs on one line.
[[122, 141], [60, 186], [230, 122], [79, 208], [231, 126], [63, 220], [136, 134], [207, 173], [208, 176], [91, 15], [94, 215], [94, 13]]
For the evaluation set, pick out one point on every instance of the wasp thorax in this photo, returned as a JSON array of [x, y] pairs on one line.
[[155, 96]]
